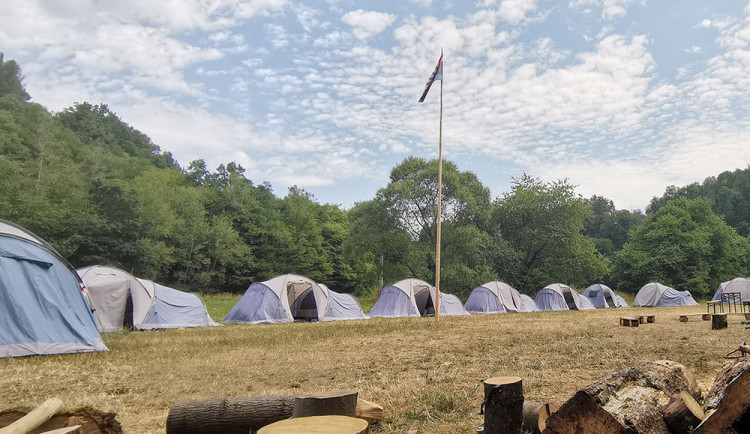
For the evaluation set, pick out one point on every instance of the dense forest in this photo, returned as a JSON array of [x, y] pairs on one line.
[[102, 192]]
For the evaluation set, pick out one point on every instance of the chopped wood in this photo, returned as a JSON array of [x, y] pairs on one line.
[[369, 411], [227, 415], [627, 400], [75, 429], [535, 415], [630, 322], [503, 405], [329, 403], [682, 413], [728, 402], [35, 418], [718, 321], [330, 424], [92, 421]]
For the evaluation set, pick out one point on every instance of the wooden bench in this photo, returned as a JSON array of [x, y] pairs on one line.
[[704, 316], [630, 322]]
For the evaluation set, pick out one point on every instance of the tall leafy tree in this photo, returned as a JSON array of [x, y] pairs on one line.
[[11, 80], [538, 228], [685, 245]]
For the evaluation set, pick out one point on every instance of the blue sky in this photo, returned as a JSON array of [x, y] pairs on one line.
[[621, 97]]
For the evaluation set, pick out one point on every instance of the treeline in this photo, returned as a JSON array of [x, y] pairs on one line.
[[102, 192]]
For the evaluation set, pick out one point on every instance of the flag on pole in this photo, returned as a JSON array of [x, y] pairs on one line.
[[437, 74]]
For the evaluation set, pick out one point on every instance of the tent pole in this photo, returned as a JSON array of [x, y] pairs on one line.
[[439, 210]]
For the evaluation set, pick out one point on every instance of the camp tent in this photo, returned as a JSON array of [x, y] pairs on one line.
[[494, 297], [120, 299], [585, 302], [739, 284], [414, 297], [656, 295], [528, 304], [560, 297], [42, 308], [602, 296], [288, 297]]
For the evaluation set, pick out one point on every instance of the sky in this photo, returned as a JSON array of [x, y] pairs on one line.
[[620, 97]]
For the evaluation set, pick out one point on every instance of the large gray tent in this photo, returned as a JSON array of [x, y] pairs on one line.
[[42, 307], [288, 297], [656, 295], [602, 296], [739, 284], [557, 296], [120, 299], [528, 304], [413, 298], [494, 297]]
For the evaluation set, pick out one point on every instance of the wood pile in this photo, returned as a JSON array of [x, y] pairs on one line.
[[49, 420]]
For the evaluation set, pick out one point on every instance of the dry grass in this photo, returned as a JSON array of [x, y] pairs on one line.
[[425, 373]]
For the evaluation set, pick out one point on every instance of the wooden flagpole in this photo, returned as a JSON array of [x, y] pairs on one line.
[[436, 302]]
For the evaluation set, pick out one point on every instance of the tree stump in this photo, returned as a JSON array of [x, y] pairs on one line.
[[624, 401], [92, 421], [503, 405], [323, 404], [331, 424], [682, 413], [718, 321], [35, 417], [535, 416], [728, 402], [227, 416]]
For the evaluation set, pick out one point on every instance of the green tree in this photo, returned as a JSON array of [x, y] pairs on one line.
[[11, 80], [684, 245], [607, 227], [537, 228]]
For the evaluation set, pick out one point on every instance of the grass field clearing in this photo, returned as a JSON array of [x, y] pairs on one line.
[[424, 372]]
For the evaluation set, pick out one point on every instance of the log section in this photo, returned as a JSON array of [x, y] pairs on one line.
[[331, 424], [227, 416], [535, 415], [35, 418], [728, 402], [682, 413], [503, 408], [322, 404]]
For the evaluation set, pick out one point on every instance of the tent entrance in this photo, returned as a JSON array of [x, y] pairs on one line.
[[425, 303], [127, 320], [305, 307], [609, 300], [569, 300]]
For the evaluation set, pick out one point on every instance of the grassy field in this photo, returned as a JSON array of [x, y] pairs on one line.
[[426, 373]]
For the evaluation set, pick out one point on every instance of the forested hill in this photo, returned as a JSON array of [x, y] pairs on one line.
[[102, 192]]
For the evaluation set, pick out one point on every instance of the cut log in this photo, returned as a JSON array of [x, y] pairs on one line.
[[368, 411], [323, 404], [630, 322], [650, 319], [92, 421], [718, 321], [227, 415], [535, 416], [627, 400], [35, 418], [331, 424], [682, 413], [728, 402], [503, 405]]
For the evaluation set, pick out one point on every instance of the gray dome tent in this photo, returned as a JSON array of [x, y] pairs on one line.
[[557, 296], [120, 299], [413, 298], [656, 295], [42, 307], [528, 304], [602, 296], [288, 297], [494, 297], [739, 284]]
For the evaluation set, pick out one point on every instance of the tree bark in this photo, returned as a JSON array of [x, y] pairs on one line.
[[535, 415], [503, 409], [330, 424], [322, 404], [624, 401], [728, 401], [227, 416], [682, 413], [718, 321]]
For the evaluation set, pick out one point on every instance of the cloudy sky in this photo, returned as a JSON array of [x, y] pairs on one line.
[[622, 97]]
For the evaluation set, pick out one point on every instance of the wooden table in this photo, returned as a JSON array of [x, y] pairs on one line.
[[731, 298]]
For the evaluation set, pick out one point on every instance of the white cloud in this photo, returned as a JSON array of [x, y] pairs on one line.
[[513, 11], [367, 24]]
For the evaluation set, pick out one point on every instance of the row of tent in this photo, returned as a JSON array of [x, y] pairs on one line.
[[47, 307]]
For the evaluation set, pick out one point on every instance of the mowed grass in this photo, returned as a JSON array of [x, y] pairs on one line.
[[425, 372]]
